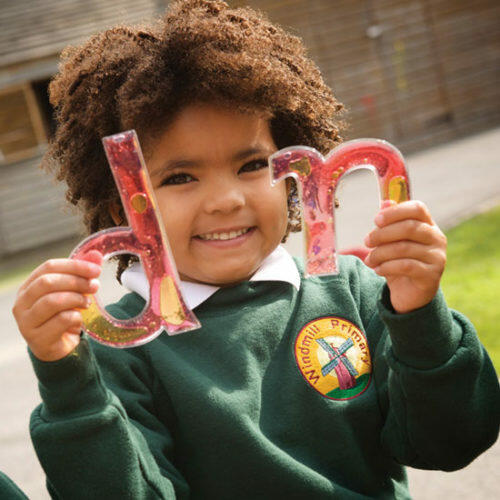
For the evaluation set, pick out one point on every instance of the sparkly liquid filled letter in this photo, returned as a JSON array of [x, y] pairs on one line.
[[317, 181], [145, 238]]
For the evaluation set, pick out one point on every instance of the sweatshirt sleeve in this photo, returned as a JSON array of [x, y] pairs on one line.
[[89, 445], [8, 489], [437, 386]]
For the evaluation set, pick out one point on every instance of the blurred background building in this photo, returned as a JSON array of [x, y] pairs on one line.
[[414, 72]]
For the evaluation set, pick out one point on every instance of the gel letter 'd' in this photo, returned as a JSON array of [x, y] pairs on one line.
[[146, 238], [318, 177]]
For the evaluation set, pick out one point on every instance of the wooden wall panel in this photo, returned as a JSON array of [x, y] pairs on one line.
[[416, 73], [31, 35], [30, 30], [32, 208], [468, 45]]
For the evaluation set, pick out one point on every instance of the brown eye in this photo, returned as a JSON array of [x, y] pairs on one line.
[[253, 165], [176, 179]]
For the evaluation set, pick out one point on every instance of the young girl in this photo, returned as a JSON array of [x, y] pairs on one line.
[[321, 387]]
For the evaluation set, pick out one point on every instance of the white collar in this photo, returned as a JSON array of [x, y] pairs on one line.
[[278, 266]]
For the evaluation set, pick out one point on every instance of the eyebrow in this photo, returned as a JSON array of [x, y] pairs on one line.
[[246, 153], [187, 162]]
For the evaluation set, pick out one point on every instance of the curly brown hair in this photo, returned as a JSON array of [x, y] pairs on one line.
[[141, 77]]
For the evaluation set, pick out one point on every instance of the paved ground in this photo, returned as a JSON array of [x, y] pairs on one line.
[[455, 180]]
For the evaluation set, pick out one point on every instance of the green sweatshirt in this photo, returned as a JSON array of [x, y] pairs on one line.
[[319, 393], [8, 489]]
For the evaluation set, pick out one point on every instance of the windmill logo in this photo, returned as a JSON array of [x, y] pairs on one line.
[[332, 355]]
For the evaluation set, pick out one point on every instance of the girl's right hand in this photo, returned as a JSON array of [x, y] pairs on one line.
[[47, 303]]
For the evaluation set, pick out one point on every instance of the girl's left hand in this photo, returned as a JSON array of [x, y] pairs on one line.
[[409, 250]]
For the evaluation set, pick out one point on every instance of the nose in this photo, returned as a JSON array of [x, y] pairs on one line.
[[224, 197]]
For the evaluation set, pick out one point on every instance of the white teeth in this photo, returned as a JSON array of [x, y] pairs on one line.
[[223, 236]]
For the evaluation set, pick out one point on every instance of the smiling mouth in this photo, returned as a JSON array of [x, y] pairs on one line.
[[223, 236]]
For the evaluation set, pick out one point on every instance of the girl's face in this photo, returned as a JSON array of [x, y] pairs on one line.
[[210, 176]]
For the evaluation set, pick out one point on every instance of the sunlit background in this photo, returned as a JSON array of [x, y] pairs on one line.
[[418, 73]]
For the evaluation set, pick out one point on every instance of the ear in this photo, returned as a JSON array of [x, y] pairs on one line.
[[116, 212]]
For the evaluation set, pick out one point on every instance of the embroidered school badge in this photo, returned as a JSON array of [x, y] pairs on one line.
[[333, 357]]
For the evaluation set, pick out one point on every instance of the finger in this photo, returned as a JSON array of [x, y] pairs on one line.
[[387, 204], [401, 250], [406, 210], [93, 256], [50, 283], [52, 304], [77, 267], [52, 330], [412, 230], [410, 268]]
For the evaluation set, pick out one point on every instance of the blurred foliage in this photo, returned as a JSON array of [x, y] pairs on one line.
[[471, 281]]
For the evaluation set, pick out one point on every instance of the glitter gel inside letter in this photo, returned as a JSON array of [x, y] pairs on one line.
[[146, 238], [317, 178]]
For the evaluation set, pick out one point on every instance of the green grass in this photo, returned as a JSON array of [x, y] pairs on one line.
[[471, 281]]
